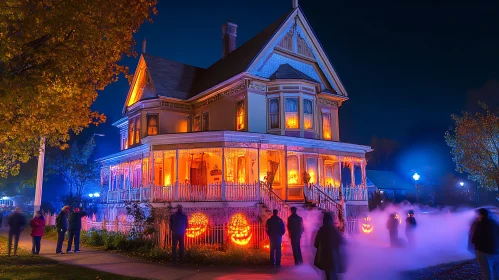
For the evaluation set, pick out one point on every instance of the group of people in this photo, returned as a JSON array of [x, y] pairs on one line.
[[410, 226], [69, 222]]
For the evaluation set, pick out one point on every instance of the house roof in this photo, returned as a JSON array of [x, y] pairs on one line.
[[286, 71], [170, 78], [387, 180]]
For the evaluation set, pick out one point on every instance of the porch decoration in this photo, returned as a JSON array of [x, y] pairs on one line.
[[196, 225], [366, 227], [239, 230]]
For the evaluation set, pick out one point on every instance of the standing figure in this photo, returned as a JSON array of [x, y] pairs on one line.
[[37, 231], [178, 226], [275, 230], [328, 241], [410, 227], [74, 229], [393, 228], [295, 230], [61, 224], [484, 237], [16, 222]]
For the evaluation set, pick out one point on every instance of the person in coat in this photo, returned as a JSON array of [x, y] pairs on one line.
[[61, 224], [275, 230], [74, 229], [178, 226], [393, 228], [16, 222], [37, 231], [484, 234], [410, 227], [295, 230], [328, 241]]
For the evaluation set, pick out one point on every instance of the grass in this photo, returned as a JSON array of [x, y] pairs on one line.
[[27, 266]]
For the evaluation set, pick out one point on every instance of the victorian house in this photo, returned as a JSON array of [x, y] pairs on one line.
[[258, 128]]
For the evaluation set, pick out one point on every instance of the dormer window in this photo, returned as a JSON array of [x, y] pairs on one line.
[[308, 114], [291, 112], [152, 124], [240, 115], [274, 113], [326, 126]]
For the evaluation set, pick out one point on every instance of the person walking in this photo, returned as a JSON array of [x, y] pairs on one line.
[[61, 224], [393, 229], [16, 222], [295, 230], [484, 233], [275, 230], [74, 229], [178, 226], [410, 227], [328, 241], [37, 231]]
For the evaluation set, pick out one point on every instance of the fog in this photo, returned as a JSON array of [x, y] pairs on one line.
[[441, 237]]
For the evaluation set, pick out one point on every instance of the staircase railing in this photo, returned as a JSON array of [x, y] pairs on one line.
[[325, 202], [272, 201]]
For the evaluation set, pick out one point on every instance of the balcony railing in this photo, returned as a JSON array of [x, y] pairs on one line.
[[185, 193], [348, 193]]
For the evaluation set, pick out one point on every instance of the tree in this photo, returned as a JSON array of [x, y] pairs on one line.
[[77, 168], [54, 58], [474, 143]]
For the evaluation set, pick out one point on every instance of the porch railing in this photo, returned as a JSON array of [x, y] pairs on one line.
[[347, 193], [323, 201], [272, 201]]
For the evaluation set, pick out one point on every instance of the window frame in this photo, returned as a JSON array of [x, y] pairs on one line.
[[311, 115], [157, 124], [297, 113], [240, 103], [323, 134], [202, 125], [278, 113]]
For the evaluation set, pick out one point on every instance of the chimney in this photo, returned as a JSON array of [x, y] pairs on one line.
[[144, 45], [295, 4], [229, 35]]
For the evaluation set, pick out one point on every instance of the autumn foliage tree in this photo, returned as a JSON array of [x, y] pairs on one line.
[[54, 58], [474, 143]]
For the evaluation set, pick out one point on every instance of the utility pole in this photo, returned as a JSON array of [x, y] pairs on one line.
[[39, 176]]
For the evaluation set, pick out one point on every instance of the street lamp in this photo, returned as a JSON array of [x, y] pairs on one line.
[[416, 178], [91, 195], [96, 194], [461, 183]]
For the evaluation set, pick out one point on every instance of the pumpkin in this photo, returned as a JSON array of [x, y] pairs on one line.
[[366, 225], [239, 230], [196, 225]]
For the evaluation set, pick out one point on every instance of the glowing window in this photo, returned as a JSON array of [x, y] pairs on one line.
[[274, 113], [293, 169], [137, 130], [326, 126], [197, 123], [131, 132], [152, 124], [308, 114], [240, 115], [291, 112]]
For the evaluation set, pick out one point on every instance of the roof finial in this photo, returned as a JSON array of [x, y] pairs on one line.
[[144, 45], [295, 4]]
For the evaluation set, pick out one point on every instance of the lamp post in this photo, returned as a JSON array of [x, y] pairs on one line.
[[416, 178], [39, 177], [461, 183]]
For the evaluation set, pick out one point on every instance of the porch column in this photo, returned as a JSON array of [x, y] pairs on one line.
[[151, 183], [286, 171], [364, 177], [352, 174], [340, 164], [223, 175], [127, 186], [110, 183], [175, 193], [258, 174]]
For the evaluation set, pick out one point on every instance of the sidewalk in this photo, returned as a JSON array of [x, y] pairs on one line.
[[123, 265]]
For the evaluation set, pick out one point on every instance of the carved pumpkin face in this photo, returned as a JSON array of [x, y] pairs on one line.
[[239, 230], [196, 225], [366, 227]]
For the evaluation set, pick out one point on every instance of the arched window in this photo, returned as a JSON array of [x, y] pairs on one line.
[[326, 126]]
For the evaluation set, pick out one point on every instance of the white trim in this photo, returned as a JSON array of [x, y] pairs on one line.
[[124, 154]]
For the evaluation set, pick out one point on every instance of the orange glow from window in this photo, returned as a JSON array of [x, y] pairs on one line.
[[168, 180], [240, 121], [312, 176], [291, 121], [327, 135], [293, 177], [307, 123]]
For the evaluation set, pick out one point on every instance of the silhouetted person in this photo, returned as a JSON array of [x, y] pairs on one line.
[[327, 242], [275, 230], [37, 231], [410, 227], [484, 238], [295, 230], [178, 226], [16, 222], [393, 228], [61, 224], [74, 229]]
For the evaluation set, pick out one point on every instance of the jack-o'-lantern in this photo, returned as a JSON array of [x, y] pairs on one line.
[[196, 225], [366, 225], [239, 230]]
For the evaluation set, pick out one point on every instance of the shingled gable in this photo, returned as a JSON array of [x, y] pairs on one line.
[[286, 71]]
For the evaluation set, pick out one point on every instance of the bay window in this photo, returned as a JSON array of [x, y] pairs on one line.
[[274, 113], [152, 124], [131, 132], [326, 126], [137, 130], [291, 112], [308, 114]]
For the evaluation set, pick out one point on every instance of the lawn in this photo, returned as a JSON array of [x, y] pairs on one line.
[[27, 266]]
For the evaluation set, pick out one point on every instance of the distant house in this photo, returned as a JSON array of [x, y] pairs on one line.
[[392, 185]]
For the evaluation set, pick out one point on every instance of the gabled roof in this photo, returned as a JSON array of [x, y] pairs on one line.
[[240, 59], [286, 71], [171, 78], [387, 180]]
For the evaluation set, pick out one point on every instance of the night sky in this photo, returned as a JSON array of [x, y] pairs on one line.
[[406, 65]]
